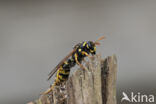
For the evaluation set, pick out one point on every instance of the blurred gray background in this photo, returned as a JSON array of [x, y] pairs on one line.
[[36, 35]]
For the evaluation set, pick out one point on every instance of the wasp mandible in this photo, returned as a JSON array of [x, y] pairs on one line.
[[76, 56]]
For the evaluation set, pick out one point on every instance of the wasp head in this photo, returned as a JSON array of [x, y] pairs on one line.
[[91, 47]]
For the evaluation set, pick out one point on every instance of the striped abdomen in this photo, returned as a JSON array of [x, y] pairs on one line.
[[64, 71]]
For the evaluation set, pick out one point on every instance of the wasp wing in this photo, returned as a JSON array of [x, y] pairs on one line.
[[61, 62]]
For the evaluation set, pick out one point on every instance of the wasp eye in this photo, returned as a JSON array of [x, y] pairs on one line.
[[90, 45]]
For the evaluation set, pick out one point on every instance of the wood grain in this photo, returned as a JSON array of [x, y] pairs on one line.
[[95, 85]]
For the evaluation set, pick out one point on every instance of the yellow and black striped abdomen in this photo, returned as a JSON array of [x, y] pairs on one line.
[[64, 71], [61, 76]]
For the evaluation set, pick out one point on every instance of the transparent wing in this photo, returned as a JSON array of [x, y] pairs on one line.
[[61, 62]]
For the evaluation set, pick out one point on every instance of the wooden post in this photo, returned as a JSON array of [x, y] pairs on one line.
[[96, 85]]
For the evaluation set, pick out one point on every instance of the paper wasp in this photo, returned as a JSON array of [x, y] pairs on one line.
[[79, 52]]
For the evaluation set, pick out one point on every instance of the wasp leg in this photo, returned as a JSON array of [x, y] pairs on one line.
[[79, 62], [49, 90], [85, 53], [52, 86]]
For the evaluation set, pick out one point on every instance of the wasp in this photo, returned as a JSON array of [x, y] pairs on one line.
[[76, 56]]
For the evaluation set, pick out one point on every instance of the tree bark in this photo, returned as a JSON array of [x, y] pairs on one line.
[[95, 85]]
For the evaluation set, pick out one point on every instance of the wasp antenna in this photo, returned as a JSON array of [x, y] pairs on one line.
[[97, 41], [101, 38]]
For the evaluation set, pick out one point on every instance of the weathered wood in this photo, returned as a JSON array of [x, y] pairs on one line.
[[95, 85], [108, 79], [86, 85]]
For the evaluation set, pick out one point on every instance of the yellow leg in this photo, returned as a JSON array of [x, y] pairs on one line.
[[53, 85], [49, 90], [85, 53], [79, 62]]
